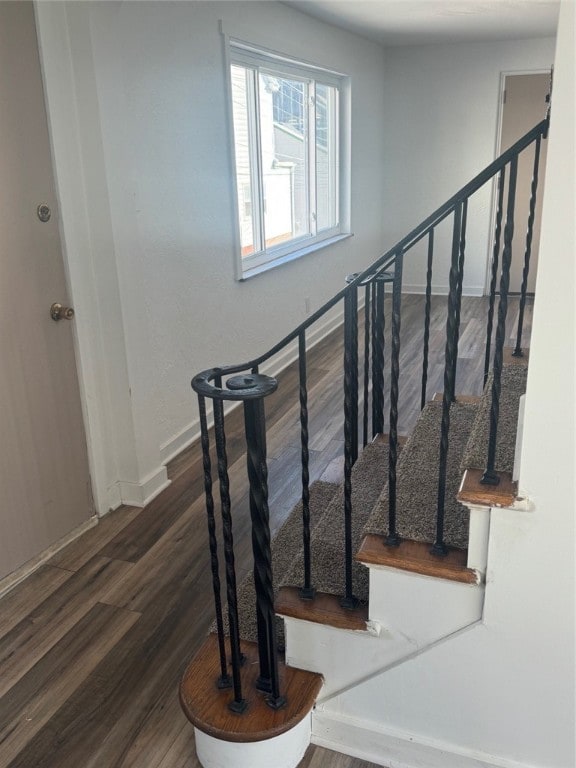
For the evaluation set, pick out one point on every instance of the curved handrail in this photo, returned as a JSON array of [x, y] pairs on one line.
[[387, 259]]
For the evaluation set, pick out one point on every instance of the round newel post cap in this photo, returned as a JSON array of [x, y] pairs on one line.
[[252, 384]]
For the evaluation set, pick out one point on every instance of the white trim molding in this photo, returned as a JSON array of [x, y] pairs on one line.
[[284, 751], [140, 494], [394, 748]]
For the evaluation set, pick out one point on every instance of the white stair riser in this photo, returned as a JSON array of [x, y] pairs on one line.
[[408, 613], [422, 608], [342, 657], [284, 751]]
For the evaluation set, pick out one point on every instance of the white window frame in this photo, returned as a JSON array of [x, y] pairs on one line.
[[270, 62]]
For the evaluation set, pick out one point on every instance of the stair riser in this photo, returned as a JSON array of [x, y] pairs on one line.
[[422, 608], [408, 613], [284, 751], [343, 657]]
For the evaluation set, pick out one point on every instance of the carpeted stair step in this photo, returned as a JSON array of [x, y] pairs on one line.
[[286, 545], [417, 479], [327, 540], [514, 376]]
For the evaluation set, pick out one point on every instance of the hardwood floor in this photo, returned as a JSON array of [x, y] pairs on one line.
[[93, 644]]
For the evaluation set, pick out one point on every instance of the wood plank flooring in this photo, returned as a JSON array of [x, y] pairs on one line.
[[94, 643]]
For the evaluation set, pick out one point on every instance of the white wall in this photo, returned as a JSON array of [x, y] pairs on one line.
[[442, 104], [504, 693], [139, 117]]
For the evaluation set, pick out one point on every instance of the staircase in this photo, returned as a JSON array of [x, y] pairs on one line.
[[368, 573]]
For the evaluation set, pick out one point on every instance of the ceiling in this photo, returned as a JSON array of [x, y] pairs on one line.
[[419, 22]]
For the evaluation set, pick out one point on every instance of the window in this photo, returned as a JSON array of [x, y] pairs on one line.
[[288, 150]]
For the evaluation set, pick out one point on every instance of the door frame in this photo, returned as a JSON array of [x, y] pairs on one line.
[[125, 463], [498, 141]]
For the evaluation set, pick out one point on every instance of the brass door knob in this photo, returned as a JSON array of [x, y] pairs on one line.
[[58, 312]]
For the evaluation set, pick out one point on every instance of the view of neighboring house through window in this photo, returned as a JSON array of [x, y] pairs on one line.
[[287, 131]]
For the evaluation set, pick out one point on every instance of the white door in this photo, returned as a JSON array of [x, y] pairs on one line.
[[524, 106], [44, 480]]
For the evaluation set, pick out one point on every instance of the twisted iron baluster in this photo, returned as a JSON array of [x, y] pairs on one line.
[[529, 234], [224, 680], [354, 371], [366, 364], [427, 308], [490, 476], [377, 357], [350, 415], [307, 591], [462, 249], [373, 346], [393, 538], [451, 355], [254, 421], [494, 277], [238, 704]]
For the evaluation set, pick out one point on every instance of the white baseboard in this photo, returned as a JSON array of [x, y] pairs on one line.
[[442, 290], [393, 748], [140, 494], [14, 578], [171, 448]]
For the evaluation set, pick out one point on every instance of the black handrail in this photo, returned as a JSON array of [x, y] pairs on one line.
[[387, 259], [251, 388]]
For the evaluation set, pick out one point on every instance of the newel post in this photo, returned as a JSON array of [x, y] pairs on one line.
[[255, 429]]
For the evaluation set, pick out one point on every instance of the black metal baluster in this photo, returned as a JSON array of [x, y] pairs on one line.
[[366, 364], [373, 344], [377, 357], [462, 250], [527, 253], [451, 355], [494, 276], [490, 476], [393, 539], [307, 590], [224, 680], [238, 704], [350, 419], [354, 371], [427, 308], [254, 421]]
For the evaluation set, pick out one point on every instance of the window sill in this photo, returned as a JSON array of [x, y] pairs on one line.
[[292, 256]]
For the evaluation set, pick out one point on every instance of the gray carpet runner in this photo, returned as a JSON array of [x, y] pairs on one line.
[[513, 387], [327, 546], [287, 543], [417, 479], [417, 489]]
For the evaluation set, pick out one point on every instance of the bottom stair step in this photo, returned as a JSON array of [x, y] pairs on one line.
[[206, 706], [323, 609]]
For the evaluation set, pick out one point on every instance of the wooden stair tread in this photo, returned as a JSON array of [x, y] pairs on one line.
[[415, 557], [472, 491], [438, 397], [206, 706], [509, 359], [384, 437], [323, 609]]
